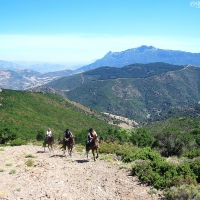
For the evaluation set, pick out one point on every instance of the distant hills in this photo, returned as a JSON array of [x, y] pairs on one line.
[[12, 75], [21, 79]]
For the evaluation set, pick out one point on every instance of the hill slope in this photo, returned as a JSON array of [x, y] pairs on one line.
[[141, 92], [27, 113]]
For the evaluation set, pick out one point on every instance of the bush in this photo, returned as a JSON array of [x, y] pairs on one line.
[[6, 134], [192, 154], [109, 147], [141, 138], [143, 154], [195, 167], [18, 142], [161, 174], [40, 135], [170, 144], [183, 192]]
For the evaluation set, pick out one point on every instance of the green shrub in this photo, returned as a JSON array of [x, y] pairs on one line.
[[18, 142], [40, 135], [192, 154], [142, 138], [195, 167], [183, 192], [143, 154], [186, 171], [109, 147], [181, 180], [126, 149], [162, 174], [6, 134]]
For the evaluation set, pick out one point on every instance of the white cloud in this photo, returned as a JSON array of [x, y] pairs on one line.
[[85, 48]]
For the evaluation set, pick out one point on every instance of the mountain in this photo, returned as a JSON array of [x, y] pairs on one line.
[[145, 54], [140, 92]]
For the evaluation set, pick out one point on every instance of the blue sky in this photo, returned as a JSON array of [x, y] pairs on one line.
[[81, 31]]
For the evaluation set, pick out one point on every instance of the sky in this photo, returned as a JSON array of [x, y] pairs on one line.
[[77, 32]]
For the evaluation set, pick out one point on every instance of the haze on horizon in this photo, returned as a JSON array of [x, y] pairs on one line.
[[82, 31]]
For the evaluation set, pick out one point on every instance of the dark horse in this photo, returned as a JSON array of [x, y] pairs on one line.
[[49, 142], [94, 146], [69, 144]]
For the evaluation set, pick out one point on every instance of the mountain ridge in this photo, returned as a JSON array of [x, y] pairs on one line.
[[145, 54]]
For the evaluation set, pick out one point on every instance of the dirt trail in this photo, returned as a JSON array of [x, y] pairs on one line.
[[54, 176]]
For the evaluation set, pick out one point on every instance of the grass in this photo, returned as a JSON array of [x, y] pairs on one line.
[[8, 164], [107, 157], [12, 171], [1, 149], [29, 155], [1, 170], [29, 162]]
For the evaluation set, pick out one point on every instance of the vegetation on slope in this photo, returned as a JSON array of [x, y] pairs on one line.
[[26, 114]]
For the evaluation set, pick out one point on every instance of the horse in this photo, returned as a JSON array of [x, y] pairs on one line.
[[49, 141], [94, 146], [69, 144]]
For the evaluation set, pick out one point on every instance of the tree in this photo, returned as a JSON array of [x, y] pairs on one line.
[[142, 138], [6, 135]]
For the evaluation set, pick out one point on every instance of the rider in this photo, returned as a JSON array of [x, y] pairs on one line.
[[67, 134], [48, 134], [92, 133]]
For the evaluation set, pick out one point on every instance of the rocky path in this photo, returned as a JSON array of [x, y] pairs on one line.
[[54, 176]]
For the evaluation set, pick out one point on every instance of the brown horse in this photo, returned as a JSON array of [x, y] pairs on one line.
[[49, 142], [94, 146], [69, 144]]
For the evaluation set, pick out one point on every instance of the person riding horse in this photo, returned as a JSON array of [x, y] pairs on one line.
[[92, 143], [48, 135], [68, 141], [49, 140], [92, 133], [67, 134]]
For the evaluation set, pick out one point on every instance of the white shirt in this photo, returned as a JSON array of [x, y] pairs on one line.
[[48, 133]]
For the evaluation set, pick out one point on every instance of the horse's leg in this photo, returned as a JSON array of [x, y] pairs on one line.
[[97, 153], [69, 150], [93, 154], [64, 148], [52, 148], [44, 145]]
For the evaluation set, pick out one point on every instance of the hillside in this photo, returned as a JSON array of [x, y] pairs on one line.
[[103, 73], [141, 92], [27, 114]]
